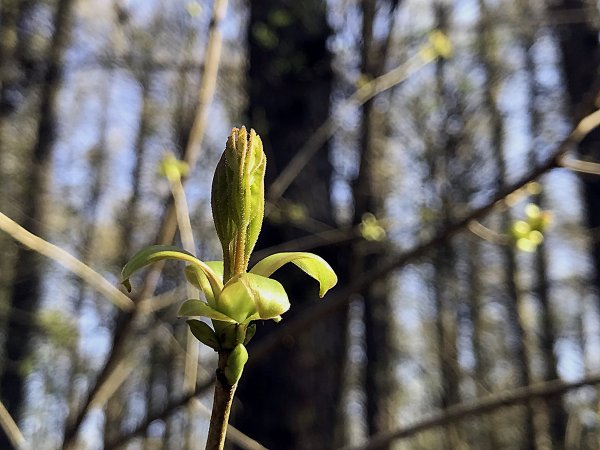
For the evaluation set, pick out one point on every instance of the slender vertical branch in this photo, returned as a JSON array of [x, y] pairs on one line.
[[221, 406], [187, 239]]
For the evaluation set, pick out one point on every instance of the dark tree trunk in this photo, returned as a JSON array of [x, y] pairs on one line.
[[556, 415], [580, 62], [291, 399], [445, 257], [369, 191]]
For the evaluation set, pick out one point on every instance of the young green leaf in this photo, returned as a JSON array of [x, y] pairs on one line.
[[268, 295], [313, 265], [235, 301], [204, 333], [197, 308], [198, 279], [155, 253]]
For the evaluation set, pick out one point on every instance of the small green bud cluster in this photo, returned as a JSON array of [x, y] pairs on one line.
[[529, 232]]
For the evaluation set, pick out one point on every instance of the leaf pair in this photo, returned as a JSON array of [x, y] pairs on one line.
[[245, 297]]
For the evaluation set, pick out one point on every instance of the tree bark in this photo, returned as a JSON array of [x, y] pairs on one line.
[[291, 400], [369, 191]]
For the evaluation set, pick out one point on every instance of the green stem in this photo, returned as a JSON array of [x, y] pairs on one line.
[[240, 252], [221, 406]]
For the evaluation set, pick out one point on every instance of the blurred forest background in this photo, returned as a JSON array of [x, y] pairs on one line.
[[423, 147]]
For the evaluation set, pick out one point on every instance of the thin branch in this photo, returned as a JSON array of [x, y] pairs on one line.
[[173, 405], [11, 429], [221, 407], [114, 381], [234, 435], [334, 302], [487, 234], [65, 259], [309, 317], [581, 166], [160, 301], [481, 406], [209, 83], [184, 224]]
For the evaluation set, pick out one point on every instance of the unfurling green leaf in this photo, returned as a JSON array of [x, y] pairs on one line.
[[155, 253], [238, 199], [235, 301], [235, 364], [204, 333], [268, 295], [313, 265], [199, 280], [197, 308]]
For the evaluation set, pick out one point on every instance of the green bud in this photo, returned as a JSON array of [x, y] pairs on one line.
[[238, 199], [235, 364]]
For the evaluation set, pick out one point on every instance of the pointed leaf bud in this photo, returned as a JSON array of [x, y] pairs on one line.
[[238, 198]]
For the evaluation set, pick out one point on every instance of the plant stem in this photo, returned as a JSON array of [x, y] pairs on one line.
[[221, 406]]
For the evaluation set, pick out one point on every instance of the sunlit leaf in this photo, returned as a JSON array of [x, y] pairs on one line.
[[313, 265], [235, 301], [155, 253], [197, 308], [268, 295]]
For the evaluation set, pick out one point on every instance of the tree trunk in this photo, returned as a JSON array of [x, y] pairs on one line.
[[368, 194], [554, 408], [580, 63], [519, 338], [291, 400]]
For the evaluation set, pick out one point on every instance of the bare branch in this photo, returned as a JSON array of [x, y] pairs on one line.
[[481, 406], [182, 213], [65, 259], [487, 234], [233, 434], [578, 165]]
